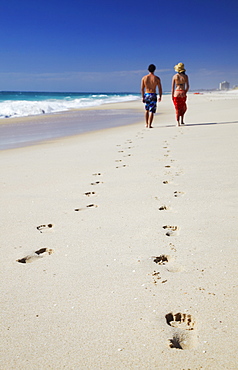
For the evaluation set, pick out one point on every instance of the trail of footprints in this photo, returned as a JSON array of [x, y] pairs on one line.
[[42, 252], [183, 325], [123, 151], [90, 194]]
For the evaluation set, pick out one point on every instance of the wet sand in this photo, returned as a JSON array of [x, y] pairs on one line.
[[25, 131]]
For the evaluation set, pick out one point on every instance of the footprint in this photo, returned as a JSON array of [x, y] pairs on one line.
[[167, 260], [88, 206], [166, 182], [89, 193], [156, 276], [167, 166], [184, 330], [163, 208], [124, 165], [36, 255], [118, 160], [171, 230], [178, 173], [162, 259], [96, 182], [178, 193], [44, 228], [97, 174], [172, 247]]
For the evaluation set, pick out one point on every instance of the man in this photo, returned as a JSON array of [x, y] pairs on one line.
[[180, 87], [149, 83]]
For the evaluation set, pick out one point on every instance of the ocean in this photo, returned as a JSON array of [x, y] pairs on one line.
[[20, 104], [72, 122]]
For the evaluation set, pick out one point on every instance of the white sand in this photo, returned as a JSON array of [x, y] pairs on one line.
[[100, 301]]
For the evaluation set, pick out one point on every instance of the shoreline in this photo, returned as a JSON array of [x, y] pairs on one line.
[[131, 235], [32, 130]]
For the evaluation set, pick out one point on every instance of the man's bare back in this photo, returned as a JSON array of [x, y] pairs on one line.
[[150, 82]]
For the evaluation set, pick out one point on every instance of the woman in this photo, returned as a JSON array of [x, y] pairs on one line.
[[180, 86]]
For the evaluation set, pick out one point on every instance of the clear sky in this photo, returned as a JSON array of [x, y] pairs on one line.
[[106, 46]]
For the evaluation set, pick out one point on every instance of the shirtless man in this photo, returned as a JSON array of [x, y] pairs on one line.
[[180, 87], [149, 95]]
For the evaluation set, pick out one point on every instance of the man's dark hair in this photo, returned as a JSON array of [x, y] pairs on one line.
[[151, 68]]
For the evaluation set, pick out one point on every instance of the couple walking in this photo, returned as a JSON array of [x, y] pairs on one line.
[[180, 86]]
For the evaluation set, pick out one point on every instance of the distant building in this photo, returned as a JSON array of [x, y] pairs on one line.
[[224, 85]]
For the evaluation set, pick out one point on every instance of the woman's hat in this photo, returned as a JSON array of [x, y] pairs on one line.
[[179, 68]]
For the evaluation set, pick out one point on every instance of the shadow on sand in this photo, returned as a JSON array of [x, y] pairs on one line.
[[209, 123], [198, 124]]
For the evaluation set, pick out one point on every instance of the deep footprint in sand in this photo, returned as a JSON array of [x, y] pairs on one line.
[[183, 330], [164, 208], [44, 228], [169, 262], [171, 230], [40, 253], [162, 259]]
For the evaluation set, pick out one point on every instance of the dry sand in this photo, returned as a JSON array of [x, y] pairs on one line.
[[132, 235]]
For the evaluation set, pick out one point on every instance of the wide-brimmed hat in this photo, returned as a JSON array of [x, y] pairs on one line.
[[179, 68]]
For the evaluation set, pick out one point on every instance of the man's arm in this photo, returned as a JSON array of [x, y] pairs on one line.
[[142, 89], [160, 89]]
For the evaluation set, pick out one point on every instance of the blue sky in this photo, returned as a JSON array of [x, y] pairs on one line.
[[106, 46]]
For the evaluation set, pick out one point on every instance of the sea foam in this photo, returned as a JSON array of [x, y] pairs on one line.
[[20, 105]]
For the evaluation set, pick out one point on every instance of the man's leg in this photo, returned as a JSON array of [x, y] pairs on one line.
[[146, 118], [151, 117]]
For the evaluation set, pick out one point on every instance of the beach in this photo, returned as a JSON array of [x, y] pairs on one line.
[[119, 245]]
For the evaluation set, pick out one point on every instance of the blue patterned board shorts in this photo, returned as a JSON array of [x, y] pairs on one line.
[[150, 100]]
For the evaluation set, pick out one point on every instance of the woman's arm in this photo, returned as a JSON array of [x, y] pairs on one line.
[[173, 84]]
